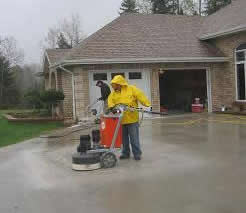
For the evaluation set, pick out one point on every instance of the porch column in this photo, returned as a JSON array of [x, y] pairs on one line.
[[51, 78]]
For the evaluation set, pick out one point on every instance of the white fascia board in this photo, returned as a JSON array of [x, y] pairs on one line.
[[223, 33], [143, 60], [47, 56]]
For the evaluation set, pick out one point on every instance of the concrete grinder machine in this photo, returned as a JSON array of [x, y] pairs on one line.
[[101, 153]]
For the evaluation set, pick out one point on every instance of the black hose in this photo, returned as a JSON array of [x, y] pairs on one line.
[[156, 113]]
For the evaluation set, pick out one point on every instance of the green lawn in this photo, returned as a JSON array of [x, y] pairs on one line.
[[11, 133]]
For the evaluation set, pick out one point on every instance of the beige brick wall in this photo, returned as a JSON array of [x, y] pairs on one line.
[[81, 91], [225, 75], [217, 84], [222, 83], [82, 82], [59, 80], [155, 92], [67, 90]]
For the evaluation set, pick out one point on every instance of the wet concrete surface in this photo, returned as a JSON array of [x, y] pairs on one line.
[[190, 164]]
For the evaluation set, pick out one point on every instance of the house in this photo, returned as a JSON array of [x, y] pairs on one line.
[[172, 58]]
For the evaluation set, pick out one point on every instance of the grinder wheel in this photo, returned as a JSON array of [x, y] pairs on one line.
[[108, 160], [85, 161]]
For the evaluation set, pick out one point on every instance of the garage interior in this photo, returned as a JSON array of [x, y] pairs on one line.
[[179, 88]]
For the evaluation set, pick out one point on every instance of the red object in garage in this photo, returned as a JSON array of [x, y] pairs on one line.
[[107, 128], [197, 108], [163, 109]]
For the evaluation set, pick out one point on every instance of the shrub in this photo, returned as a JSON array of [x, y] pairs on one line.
[[33, 98], [5, 106], [50, 98]]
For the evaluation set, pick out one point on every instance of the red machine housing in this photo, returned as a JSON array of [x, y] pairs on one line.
[[107, 129]]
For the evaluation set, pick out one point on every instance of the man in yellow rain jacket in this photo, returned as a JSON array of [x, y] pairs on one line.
[[130, 96]]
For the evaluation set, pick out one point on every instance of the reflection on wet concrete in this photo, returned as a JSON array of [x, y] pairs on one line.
[[190, 167]]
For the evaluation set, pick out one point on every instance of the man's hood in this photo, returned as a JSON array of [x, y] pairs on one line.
[[119, 79]]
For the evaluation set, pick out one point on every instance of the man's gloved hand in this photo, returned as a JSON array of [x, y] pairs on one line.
[[149, 109], [100, 99], [115, 111]]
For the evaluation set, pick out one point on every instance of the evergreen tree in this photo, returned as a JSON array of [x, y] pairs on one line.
[[189, 7], [165, 6], [8, 91], [211, 6], [144, 6], [128, 6], [62, 42]]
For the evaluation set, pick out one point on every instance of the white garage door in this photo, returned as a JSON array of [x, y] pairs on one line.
[[141, 79]]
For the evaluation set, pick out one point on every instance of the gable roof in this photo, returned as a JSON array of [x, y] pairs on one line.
[[55, 55], [228, 20], [138, 36]]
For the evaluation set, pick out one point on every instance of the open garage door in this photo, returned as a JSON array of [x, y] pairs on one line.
[[179, 88]]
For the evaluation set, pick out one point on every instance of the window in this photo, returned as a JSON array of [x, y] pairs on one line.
[[100, 77], [240, 56], [114, 74], [241, 71], [135, 75], [241, 81], [242, 47]]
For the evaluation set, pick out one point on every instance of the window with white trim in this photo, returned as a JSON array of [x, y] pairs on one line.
[[135, 75], [100, 77], [241, 72], [114, 74]]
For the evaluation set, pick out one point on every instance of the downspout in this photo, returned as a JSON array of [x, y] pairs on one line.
[[73, 89]]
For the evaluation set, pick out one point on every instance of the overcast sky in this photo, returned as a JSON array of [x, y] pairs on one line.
[[28, 20]]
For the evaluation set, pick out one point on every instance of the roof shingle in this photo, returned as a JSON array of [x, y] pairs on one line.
[[233, 16], [146, 36], [55, 55]]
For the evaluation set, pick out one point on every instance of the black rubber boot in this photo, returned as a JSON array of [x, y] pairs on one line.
[[122, 157], [137, 157]]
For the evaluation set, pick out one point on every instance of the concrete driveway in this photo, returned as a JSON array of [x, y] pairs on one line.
[[190, 164]]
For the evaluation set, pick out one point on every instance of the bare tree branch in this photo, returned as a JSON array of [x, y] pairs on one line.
[[9, 49], [71, 29]]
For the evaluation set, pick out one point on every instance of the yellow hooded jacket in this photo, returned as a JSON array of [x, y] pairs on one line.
[[130, 96]]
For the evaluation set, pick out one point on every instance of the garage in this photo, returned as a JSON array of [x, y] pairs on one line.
[[141, 79], [179, 88]]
